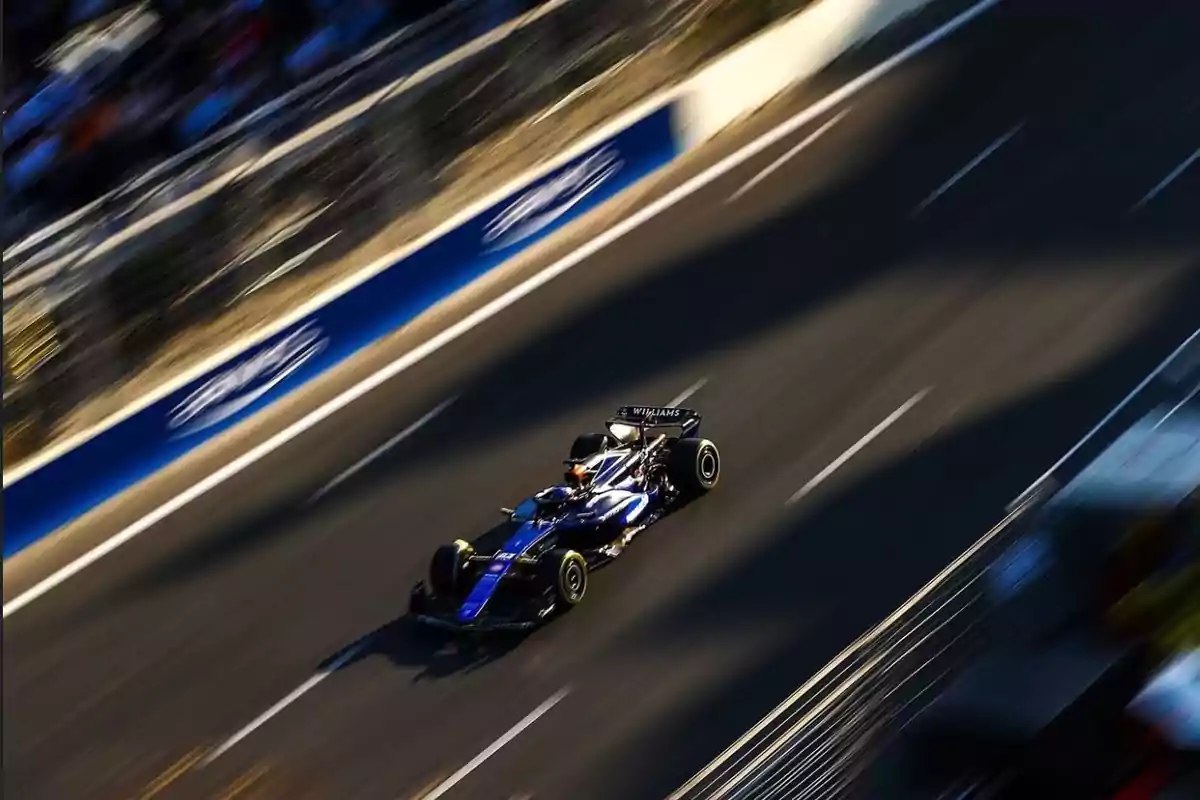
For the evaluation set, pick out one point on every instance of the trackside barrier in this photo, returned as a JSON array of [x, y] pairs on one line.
[[67, 482], [148, 440]]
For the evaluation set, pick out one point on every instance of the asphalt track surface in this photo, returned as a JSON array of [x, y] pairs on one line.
[[1027, 297]]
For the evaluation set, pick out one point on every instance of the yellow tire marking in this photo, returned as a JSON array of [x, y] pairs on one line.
[[172, 774], [243, 783]]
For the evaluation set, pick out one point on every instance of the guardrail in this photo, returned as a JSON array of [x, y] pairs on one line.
[[822, 740], [847, 732], [308, 200]]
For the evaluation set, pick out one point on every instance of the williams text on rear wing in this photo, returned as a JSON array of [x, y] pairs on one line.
[[659, 417]]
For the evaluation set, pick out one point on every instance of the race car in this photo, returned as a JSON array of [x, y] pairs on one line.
[[649, 460]]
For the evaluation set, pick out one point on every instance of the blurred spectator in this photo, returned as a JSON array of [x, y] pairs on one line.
[[20, 174], [116, 85]]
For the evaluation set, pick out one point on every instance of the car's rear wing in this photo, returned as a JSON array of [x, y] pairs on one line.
[[659, 417]]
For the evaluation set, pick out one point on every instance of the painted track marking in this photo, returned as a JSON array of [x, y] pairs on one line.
[[962, 173], [857, 447], [1013, 511], [1172, 176], [686, 393], [379, 451], [293, 696], [494, 747], [494, 307], [243, 784], [1117, 409], [783, 159], [171, 774], [838, 661]]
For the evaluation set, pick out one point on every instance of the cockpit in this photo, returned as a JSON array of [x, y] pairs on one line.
[[623, 433], [526, 511], [543, 505]]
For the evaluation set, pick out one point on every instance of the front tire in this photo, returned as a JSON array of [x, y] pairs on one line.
[[568, 572], [694, 466], [447, 568]]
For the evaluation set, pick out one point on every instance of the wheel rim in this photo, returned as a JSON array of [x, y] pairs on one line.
[[573, 580], [709, 465]]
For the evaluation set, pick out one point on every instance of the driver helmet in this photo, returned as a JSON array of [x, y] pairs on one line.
[[578, 475]]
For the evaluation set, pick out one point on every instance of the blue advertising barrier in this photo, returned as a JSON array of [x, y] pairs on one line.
[[133, 449]]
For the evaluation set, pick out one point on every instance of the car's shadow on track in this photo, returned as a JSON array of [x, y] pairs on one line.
[[436, 654], [406, 643]]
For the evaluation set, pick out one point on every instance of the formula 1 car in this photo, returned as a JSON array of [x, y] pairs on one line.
[[616, 485]]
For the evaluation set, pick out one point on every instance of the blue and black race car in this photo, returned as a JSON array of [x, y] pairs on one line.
[[617, 484]]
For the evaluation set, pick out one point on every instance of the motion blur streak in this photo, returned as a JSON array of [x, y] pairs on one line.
[[1026, 295], [585, 252], [763, 743]]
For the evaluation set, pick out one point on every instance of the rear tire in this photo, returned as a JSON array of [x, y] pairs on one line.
[[589, 444], [447, 567], [694, 466], [567, 572]]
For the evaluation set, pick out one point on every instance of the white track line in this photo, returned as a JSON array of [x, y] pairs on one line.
[[383, 448], [1165, 182], [855, 448], [783, 159], [491, 309], [292, 697], [1014, 510], [494, 747], [1033, 487], [688, 392], [1189, 398], [962, 173]]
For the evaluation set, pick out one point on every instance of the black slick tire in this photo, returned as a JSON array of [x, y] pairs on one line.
[[694, 466], [446, 568]]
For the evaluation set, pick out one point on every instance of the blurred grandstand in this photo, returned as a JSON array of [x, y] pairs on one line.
[[218, 167], [97, 91]]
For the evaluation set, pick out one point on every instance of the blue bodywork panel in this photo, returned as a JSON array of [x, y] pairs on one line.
[[526, 536]]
